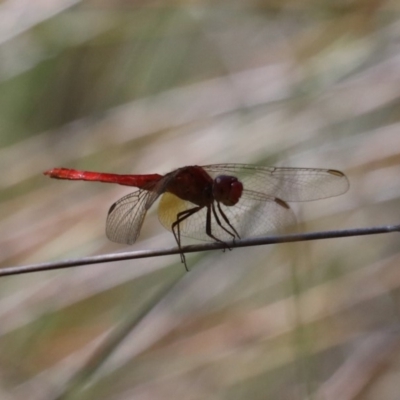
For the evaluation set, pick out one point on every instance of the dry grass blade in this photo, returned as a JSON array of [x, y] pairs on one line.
[[148, 89], [7, 271]]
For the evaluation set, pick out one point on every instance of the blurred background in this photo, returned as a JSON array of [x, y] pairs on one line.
[[150, 86]]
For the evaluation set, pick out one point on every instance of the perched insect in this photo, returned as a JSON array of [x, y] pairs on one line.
[[214, 202]]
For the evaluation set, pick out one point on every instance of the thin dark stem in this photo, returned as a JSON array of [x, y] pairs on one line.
[[298, 237]]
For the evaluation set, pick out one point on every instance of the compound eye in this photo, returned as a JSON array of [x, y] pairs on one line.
[[227, 189]]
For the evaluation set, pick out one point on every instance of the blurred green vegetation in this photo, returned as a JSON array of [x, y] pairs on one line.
[[147, 87]]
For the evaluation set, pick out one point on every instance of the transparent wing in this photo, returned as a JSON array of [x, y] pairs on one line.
[[259, 210], [255, 214], [125, 217], [288, 184]]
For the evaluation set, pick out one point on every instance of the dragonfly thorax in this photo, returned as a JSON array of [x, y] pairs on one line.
[[227, 189], [192, 184]]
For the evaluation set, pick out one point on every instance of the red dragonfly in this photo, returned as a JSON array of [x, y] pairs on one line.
[[214, 202]]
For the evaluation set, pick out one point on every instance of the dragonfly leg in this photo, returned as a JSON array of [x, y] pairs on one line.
[[179, 218], [226, 219], [208, 225], [219, 222]]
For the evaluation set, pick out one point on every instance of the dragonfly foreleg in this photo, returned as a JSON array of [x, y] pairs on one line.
[[208, 225], [226, 219], [219, 222]]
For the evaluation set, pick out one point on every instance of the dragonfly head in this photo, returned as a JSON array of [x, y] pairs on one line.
[[227, 189]]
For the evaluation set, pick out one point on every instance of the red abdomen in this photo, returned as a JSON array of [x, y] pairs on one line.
[[139, 181]]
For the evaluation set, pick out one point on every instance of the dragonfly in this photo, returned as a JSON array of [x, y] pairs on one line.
[[219, 202]]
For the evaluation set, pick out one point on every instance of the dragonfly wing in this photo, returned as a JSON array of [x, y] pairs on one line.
[[169, 208], [125, 217], [288, 184], [255, 214]]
